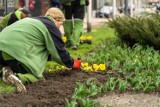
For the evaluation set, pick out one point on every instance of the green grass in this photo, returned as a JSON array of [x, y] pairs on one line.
[[5, 88], [99, 34]]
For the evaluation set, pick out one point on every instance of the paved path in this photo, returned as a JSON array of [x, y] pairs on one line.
[[94, 22]]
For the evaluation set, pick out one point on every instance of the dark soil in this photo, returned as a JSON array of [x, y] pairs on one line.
[[51, 92]]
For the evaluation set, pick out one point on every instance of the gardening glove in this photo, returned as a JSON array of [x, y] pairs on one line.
[[87, 2], [77, 64]]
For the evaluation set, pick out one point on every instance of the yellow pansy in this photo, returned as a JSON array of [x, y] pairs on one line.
[[64, 39], [89, 37], [95, 67], [84, 64], [88, 68], [81, 38], [50, 70], [63, 67], [102, 67], [57, 68]]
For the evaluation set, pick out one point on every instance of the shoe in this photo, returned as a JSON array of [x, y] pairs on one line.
[[10, 78], [74, 47]]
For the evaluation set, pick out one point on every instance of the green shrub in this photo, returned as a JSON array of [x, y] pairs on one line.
[[144, 29]]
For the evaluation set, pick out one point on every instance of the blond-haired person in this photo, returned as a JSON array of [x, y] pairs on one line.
[[26, 45]]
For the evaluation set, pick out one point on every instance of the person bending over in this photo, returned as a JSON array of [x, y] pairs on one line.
[[26, 45]]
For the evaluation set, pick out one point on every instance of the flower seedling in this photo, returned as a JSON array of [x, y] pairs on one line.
[[86, 39], [93, 68], [64, 38], [84, 66]]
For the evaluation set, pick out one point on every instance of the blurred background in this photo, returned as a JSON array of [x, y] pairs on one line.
[[99, 8]]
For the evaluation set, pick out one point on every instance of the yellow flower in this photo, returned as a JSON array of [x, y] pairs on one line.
[[90, 38], [57, 68], [85, 69], [50, 70], [95, 67], [64, 39], [63, 67], [88, 68], [81, 38], [102, 67], [84, 64]]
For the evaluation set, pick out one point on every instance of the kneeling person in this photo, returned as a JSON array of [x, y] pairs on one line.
[[26, 45]]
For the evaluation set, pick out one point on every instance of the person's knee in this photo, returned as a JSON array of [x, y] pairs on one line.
[[27, 78]]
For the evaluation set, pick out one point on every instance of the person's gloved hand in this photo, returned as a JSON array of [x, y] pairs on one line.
[[87, 2], [77, 64]]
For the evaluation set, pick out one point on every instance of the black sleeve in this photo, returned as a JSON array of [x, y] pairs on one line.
[[12, 19], [58, 42]]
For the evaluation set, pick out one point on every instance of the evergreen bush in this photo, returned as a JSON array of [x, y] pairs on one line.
[[143, 29]]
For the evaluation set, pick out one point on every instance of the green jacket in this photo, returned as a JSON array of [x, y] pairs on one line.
[[31, 40], [10, 18]]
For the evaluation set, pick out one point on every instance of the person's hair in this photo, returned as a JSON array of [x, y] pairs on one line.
[[55, 13]]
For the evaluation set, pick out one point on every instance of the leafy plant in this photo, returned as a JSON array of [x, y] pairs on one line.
[[110, 85], [122, 85], [135, 68], [83, 93], [143, 29]]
